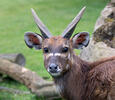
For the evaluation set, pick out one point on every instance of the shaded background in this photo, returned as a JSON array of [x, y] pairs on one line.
[[16, 19]]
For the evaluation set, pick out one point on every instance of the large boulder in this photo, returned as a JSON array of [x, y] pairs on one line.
[[107, 15], [96, 51], [102, 43]]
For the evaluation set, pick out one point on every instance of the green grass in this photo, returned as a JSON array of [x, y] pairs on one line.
[[16, 19]]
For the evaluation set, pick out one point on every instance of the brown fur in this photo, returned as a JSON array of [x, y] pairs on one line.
[[75, 79], [89, 81], [96, 63], [81, 80], [54, 42]]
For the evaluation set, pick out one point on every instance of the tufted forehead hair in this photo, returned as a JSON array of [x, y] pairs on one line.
[[56, 41]]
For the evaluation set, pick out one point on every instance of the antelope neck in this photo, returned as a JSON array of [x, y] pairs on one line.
[[72, 80]]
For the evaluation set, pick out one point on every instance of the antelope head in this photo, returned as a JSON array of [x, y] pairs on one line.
[[57, 50]]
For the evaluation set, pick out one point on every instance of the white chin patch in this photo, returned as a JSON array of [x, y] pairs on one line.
[[55, 74]]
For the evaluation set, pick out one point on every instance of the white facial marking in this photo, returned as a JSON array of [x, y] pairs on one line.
[[57, 54], [55, 74], [48, 55], [58, 73], [53, 54]]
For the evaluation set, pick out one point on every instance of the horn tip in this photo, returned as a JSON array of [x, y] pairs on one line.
[[32, 9], [84, 8]]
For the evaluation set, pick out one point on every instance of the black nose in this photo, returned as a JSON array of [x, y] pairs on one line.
[[53, 68]]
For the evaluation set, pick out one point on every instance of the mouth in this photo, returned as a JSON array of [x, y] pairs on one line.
[[54, 73]]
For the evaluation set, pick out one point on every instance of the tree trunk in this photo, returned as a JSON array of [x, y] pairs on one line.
[[30, 79]]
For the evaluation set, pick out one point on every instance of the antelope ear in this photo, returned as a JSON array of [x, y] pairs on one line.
[[33, 40], [80, 40]]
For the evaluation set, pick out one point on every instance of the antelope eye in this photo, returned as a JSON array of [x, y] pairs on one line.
[[45, 50], [65, 49]]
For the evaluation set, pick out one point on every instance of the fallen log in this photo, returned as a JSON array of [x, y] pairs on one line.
[[17, 58], [14, 91], [31, 80]]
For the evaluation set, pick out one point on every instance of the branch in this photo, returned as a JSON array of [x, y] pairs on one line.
[[14, 91], [31, 80]]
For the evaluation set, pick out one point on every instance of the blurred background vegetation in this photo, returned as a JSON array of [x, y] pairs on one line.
[[16, 19]]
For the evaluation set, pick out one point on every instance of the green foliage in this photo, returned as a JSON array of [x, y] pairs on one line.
[[16, 19]]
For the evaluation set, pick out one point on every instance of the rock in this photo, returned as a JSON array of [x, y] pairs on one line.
[[96, 51], [107, 15], [106, 34], [102, 43]]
